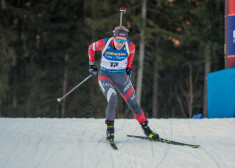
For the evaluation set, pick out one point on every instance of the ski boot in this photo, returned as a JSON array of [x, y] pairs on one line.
[[148, 132], [110, 130]]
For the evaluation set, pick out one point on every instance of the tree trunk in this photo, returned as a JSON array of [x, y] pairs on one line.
[[141, 53], [3, 4], [14, 101], [190, 102], [65, 83], [155, 85], [180, 101], [93, 83], [207, 70]]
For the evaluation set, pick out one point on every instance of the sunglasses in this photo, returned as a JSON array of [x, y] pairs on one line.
[[120, 41]]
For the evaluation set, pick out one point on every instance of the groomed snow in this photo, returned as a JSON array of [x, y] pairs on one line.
[[80, 143]]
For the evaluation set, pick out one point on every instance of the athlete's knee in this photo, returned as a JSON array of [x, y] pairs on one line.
[[113, 99]]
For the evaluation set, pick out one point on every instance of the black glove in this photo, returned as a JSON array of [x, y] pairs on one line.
[[129, 72], [93, 70]]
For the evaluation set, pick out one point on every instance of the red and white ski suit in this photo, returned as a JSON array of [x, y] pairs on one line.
[[109, 81]]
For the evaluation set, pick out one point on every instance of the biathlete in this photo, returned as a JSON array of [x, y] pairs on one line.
[[115, 72]]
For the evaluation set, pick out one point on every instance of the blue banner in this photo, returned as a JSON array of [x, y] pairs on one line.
[[221, 94], [231, 36]]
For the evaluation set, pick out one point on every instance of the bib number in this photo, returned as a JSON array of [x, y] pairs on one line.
[[113, 64]]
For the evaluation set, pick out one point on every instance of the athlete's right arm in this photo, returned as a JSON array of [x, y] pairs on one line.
[[96, 46]]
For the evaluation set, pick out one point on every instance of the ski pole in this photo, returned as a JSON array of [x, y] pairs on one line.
[[122, 10], [59, 99]]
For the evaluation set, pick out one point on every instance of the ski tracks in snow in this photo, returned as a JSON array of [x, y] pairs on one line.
[[203, 149], [202, 152], [165, 146]]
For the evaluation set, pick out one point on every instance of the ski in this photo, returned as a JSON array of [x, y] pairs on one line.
[[113, 145], [164, 141]]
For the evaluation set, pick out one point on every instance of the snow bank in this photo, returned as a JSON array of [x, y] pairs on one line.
[[80, 143]]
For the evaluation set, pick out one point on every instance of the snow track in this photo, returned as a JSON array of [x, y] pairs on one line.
[[80, 143]]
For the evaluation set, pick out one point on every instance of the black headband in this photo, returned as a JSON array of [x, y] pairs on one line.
[[121, 33]]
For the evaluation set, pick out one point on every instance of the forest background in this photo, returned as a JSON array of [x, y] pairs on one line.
[[44, 45]]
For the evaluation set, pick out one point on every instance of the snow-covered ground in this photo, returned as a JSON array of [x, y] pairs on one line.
[[80, 143]]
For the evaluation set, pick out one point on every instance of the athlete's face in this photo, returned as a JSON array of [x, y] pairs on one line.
[[119, 42]]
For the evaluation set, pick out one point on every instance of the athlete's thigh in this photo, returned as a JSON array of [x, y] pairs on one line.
[[107, 86], [123, 85]]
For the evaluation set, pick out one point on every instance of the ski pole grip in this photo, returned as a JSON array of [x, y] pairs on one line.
[[122, 10]]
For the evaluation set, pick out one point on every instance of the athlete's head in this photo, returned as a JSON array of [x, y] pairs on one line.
[[120, 34]]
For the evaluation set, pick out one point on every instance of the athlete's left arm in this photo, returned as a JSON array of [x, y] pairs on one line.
[[131, 54]]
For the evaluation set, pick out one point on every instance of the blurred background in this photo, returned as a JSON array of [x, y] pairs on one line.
[[44, 45]]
